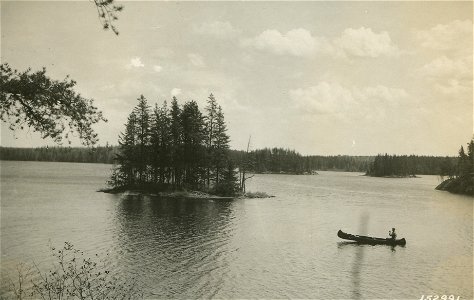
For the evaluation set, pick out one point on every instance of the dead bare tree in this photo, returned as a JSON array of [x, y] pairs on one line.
[[244, 166]]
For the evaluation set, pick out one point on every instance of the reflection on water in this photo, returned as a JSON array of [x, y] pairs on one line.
[[359, 258], [183, 238]]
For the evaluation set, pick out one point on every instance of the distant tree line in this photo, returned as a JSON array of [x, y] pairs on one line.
[[287, 161], [101, 154], [339, 163], [176, 147], [409, 166], [276, 160]]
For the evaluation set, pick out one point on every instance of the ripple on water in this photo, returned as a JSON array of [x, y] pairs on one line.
[[283, 247]]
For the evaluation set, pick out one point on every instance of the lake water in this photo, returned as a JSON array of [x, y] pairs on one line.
[[282, 247]]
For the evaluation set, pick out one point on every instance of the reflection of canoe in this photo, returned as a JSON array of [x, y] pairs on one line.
[[370, 240]]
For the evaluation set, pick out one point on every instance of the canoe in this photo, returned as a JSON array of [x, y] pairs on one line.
[[362, 239]]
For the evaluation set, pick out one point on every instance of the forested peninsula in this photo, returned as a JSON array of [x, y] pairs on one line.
[[409, 166], [461, 178]]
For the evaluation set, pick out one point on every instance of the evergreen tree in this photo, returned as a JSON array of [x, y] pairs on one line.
[[221, 145], [193, 144], [160, 138], [125, 173], [210, 123], [176, 150], [466, 161], [51, 107], [142, 113], [228, 185]]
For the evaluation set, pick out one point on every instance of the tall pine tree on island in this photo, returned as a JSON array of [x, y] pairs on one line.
[[176, 143], [142, 112], [221, 146], [160, 152], [123, 174], [210, 121], [193, 145]]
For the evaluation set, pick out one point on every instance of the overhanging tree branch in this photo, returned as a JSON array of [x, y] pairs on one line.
[[48, 106]]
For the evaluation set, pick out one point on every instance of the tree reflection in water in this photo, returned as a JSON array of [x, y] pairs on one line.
[[168, 241]]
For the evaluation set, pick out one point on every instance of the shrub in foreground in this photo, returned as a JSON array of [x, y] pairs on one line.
[[72, 276]]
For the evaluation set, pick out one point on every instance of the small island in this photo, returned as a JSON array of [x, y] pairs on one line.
[[461, 176], [178, 152]]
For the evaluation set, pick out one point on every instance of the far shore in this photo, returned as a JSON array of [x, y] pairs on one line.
[[394, 176]]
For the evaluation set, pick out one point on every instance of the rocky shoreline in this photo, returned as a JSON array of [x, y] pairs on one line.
[[183, 194], [459, 185]]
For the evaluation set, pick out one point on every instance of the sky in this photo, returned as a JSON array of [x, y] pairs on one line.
[[323, 78]]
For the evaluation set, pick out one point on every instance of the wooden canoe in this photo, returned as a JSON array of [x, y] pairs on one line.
[[361, 239]]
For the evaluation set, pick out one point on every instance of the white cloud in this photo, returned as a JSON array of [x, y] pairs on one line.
[[455, 87], [379, 95], [333, 98], [444, 67], [196, 59], [323, 98], [175, 92], [451, 73], [157, 68], [136, 62], [297, 42], [361, 42], [217, 29], [449, 76], [454, 35]]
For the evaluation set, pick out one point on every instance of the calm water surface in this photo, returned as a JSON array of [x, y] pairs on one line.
[[283, 247]]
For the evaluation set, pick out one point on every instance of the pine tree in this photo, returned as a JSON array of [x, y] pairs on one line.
[[142, 112], [221, 145], [193, 144], [176, 143], [165, 146], [228, 186], [160, 138], [470, 154], [210, 123], [51, 107], [125, 173]]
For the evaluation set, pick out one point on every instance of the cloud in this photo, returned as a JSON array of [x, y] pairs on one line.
[[444, 67], [455, 87], [333, 98], [379, 94], [456, 35], [451, 73], [323, 98], [217, 29], [361, 42], [136, 62], [449, 76], [157, 68], [196, 59], [175, 92], [296, 42]]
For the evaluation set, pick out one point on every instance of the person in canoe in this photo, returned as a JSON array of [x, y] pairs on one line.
[[392, 234]]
